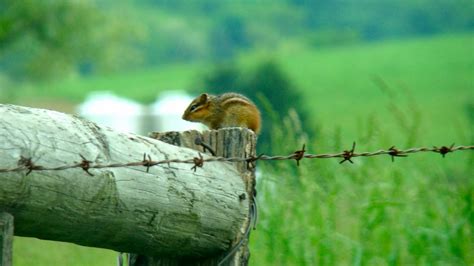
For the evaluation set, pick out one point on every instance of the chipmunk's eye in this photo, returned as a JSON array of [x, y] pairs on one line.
[[193, 107]]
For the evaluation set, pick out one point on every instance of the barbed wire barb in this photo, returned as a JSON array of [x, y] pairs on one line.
[[347, 155], [198, 162], [394, 152], [85, 165], [26, 163], [298, 155]]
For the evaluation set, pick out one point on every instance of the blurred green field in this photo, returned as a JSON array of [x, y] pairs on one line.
[[31, 251], [416, 211], [432, 74]]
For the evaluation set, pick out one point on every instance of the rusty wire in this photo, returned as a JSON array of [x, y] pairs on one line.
[[147, 162]]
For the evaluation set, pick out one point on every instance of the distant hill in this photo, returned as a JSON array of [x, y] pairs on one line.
[[184, 30], [41, 40]]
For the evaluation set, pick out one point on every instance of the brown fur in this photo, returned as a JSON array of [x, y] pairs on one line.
[[225, 110]]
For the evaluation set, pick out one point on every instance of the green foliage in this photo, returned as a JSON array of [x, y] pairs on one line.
[[50, 39], [47, 39], [376, 19], [372, 212], [332, 38], [31, 251], [269, 86], [222, 29], [227, 37], [338, 85], [222, 78]]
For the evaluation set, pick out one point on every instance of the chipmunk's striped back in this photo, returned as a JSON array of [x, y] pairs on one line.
[[225, 110]]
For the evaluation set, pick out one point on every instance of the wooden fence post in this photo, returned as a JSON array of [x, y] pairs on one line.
[[67, 179], [229, 142], [6, 239]]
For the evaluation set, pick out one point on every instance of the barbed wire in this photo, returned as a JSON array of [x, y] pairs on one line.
[[27, 164]]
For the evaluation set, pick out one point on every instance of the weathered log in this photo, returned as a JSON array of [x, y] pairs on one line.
[[231, 142], [170, 211]]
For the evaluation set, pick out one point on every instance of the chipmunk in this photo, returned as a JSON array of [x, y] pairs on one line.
[[225, 110]]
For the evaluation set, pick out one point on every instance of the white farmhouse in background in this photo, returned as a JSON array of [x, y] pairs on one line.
[[125, 115], [167, 110], [107, 109]]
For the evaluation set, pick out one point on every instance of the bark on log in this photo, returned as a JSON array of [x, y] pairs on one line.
[[6, 239], [229, 142], [170, 211]]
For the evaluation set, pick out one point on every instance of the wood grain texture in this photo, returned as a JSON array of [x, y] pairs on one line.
[[6, 239], [170, 211], [226, 142]]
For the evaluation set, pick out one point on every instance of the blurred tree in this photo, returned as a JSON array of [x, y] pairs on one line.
[[272, 83], [224, 77], [172, 39], [278, 98], [273, 92], [45, 39], [227, 36], [384, 19]]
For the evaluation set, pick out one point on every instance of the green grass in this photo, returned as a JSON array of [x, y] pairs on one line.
[[143, 85], [32, 251], [433, 75], [418, 210]]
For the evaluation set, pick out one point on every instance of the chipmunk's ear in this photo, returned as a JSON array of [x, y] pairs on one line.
[[203, 98]]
